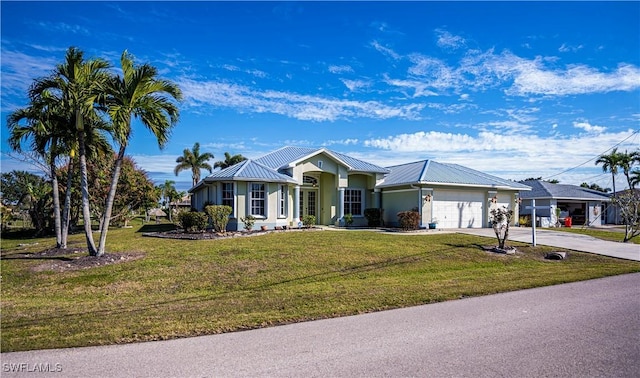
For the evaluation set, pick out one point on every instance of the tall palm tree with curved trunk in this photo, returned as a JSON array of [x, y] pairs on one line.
[[195, 161], [137, 94], [229, 161], [81, 85]]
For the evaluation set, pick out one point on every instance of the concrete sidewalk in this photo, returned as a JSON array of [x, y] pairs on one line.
[[566, 240]]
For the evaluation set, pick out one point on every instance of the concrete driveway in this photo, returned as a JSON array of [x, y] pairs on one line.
[[566, 240], [581, 329]]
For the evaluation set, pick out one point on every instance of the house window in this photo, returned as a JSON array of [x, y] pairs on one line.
[[228, 199], [282, 201], [353, 201], [258, 199]]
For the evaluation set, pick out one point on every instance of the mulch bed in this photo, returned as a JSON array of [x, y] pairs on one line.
[[62, 260], [212, 235]]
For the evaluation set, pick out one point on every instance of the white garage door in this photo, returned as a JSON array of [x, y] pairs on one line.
[[458, 209]]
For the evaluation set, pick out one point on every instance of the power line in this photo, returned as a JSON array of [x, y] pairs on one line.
[[593, 158]]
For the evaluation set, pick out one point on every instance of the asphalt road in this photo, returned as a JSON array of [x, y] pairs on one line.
[[582, 329]]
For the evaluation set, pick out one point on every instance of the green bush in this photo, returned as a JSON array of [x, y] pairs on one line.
[[219, 215], [192, 221], [409, 220], [309, 220], [348, 219], [374, 216], [248, 221]]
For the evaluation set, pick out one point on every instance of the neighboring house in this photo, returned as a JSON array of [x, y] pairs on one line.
[[280, 188], [183, 204], [613, 212], [583, 205]]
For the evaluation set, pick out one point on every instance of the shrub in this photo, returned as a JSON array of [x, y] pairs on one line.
[[309, 220], [192, 221], [374, 216], [219, 215], [348, 219], [409, 220], [248, 221]]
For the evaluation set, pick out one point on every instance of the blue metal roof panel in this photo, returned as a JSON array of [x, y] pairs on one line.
[[283, 157], [429, 171], [544, 189], [249, 170], [357, 164]]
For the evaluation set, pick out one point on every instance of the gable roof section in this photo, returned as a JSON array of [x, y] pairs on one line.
[[431, 172], [247, 170], [544, 189], [288, 156]]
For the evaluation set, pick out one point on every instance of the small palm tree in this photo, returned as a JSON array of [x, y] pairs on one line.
[[626, 161], [195, 161], [229, 161], [610, 163]]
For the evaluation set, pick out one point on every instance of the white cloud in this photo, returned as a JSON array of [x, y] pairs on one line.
[[385, 50], [449, 41], [586, 126], [340, 69], [293, 105], [354, 85], [569, 48], [419, 88]]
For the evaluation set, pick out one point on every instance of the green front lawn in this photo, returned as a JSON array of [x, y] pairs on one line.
[[185, 288], [604, 234]]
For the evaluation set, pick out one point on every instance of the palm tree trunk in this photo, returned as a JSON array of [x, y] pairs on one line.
[[84, 189], [56, 203], [110, 199], [66, 211]]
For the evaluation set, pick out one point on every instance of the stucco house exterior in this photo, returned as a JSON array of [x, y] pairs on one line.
[[278, 189], [583, 205]]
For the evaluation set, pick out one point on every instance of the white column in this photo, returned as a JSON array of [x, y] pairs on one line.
[[296, 205], [340, 204]]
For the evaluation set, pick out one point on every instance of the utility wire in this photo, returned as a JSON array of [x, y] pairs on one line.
[[593, 158]]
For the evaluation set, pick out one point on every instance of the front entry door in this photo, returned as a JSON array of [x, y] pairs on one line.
[[309, 203]]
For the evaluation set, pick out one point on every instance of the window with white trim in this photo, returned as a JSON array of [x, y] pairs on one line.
[[353, 201], [282, 201], [258, 202], [228, 197]]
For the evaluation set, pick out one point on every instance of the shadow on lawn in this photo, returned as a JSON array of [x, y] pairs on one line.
[[162, 227], [318, 277]]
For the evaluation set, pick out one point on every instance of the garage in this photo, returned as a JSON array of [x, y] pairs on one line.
[[458, 209]]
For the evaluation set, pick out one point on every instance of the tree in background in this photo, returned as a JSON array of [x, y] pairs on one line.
[[169, 194], [140, 94], [30, 192], [194, 161], [229, 161], [595, 187]]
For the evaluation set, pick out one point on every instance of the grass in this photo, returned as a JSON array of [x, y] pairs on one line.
[[185, 288], [617, 235]]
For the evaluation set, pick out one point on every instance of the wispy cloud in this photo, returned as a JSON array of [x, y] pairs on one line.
[[355, 85], [340, 69], [63, 27], [18, 72], [569, 48], [385, 50], [447, 40], [303, 107]]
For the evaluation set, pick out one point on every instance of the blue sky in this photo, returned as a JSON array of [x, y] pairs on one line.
[[509, 88]]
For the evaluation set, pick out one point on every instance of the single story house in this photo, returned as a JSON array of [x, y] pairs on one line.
[[281, 187], [584, 206]]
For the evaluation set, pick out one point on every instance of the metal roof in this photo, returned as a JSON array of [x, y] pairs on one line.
[[289, 155], [431, 172], [544, 189], [248, 170]]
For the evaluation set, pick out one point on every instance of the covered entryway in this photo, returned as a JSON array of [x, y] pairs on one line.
[[458, 209], [309, 203]]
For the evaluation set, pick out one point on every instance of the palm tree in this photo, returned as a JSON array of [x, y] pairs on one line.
[[80, 85], [626, 161], [195, 161], [169, 193], [610, 163], [635, 178], [140, 94], [229, 161], [48, 131]]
